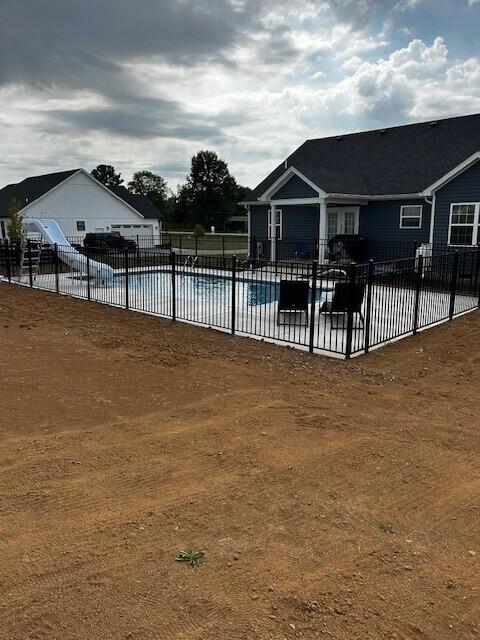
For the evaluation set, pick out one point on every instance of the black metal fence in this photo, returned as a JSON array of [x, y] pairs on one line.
[[215, 245], [259, 248], [350, 309]]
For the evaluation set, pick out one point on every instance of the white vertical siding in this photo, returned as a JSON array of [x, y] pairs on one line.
[[81, 198]]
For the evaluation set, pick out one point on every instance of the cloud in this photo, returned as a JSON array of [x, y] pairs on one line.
[[146, 85]]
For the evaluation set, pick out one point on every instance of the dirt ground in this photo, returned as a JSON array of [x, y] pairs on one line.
[[332, 499]]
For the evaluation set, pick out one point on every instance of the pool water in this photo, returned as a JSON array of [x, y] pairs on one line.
[[205, 287]]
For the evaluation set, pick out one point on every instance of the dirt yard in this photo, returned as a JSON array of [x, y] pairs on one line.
[[332, 499]]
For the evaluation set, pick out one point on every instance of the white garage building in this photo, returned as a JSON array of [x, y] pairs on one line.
[[80, 204]]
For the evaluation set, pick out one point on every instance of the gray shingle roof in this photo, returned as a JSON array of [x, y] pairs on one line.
[[142, 204], [32, 188], [397, 160]]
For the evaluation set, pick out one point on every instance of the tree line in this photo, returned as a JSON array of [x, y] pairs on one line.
[[209, 197]]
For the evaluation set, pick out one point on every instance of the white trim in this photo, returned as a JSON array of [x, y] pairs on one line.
[[420, 217], [460, 168], [475, 223], [322, 230], [272, 223], [296, 201], [114, 195], [387, 196], [283, 179]]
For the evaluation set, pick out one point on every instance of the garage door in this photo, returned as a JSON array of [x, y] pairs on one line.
[[134, 230]]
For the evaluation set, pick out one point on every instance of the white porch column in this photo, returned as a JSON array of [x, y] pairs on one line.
[[322, 231], [272, 231]]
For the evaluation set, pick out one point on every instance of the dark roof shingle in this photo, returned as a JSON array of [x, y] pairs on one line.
[[398, 160], [30, 189]]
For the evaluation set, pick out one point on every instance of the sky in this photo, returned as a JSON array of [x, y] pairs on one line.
[[146, 84]]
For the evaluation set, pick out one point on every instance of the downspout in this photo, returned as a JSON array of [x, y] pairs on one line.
[[431, 202], [249, 240]]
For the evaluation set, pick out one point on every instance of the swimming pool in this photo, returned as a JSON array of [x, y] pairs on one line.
[[204, 288]]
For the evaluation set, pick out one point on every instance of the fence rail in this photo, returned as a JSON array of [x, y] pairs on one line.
[[351, 308]]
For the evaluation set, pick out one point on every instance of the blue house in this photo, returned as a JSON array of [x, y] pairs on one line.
[[394, 189]]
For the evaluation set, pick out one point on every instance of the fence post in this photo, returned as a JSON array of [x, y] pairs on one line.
[[174, 291], [348, 346], [196, 246], [55, 260], [368, 313], [314, 305], [7, 260], [453, 288], [29, 254], [253, 251], [127, 301], [234, 292], [88, 276], [415, 247], [418, 290]]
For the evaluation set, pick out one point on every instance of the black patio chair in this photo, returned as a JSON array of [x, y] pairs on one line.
[[347, 298], [293, 299]]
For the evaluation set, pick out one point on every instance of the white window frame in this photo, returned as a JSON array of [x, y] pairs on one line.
[[475, 223], [340, 219], [278, 225], [402, 216], [81, 222]]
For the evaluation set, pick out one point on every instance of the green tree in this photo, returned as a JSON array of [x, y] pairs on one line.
[[105, 174], [152, 186], [212, 190], [243, 193], [180, 210], [15, 228]]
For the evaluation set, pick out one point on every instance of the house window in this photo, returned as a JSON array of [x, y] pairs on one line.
[[464, 223], [275, 225], [411, 216], [80, 225], [342, 221]]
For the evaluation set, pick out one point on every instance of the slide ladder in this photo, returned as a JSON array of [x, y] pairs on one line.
[[30, 256]]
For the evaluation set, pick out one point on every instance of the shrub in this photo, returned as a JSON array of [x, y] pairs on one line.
[[15, 229], [199, 231]]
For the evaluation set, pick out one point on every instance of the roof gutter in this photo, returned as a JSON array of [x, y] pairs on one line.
[[353, 196]]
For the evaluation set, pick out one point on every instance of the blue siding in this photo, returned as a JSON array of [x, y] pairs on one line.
[[299, 221], [300, 229], [259, 229], [295, 187], [259, 221], [464, 188], [380, 221]]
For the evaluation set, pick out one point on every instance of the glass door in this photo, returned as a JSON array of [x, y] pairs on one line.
[[342, 220]]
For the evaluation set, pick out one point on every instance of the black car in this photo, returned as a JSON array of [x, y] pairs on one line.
[[112, 240]]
